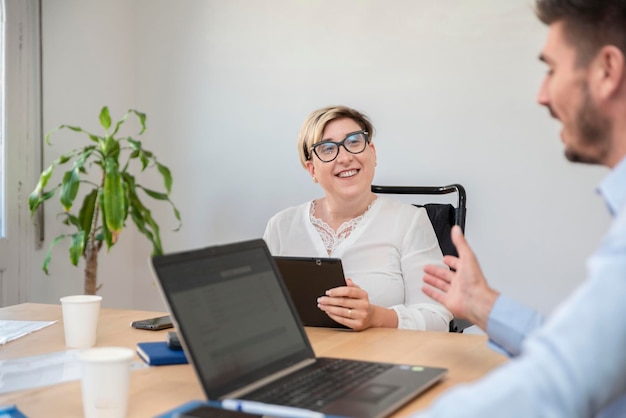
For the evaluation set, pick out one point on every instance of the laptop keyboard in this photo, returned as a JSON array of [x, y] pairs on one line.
[[319, 384]]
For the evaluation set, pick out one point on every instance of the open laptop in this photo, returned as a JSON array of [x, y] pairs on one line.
[[307, 279], [241, 332]]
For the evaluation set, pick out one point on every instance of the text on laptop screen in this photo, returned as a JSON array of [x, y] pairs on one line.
[[234, 317]]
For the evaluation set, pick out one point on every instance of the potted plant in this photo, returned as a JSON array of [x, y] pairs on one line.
[[112, 195]]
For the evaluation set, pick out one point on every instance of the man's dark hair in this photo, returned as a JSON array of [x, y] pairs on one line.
[[589, 24]]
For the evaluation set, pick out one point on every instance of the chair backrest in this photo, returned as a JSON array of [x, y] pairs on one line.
[[442, 216]]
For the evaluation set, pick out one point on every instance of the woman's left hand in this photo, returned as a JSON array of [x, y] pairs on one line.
[[349, 305]]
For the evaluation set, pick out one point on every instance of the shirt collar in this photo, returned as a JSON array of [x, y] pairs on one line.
[[613, 187]]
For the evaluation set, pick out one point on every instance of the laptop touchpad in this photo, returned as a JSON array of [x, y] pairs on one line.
[[373, 392]]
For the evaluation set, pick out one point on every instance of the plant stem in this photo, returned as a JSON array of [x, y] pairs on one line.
[[91, 252], [91, 270]]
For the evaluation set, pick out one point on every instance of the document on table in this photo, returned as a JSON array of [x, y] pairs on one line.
[[43, 370], [11, 330]]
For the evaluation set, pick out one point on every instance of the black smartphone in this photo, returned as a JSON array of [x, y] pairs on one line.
[[172, 341], [153, 324]]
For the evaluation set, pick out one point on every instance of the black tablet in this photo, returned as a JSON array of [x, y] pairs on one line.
[[308, 278]]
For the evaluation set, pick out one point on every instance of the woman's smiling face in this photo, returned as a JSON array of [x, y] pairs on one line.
[[349, 175]]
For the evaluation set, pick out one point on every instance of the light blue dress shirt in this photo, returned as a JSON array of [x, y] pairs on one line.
[[509, 324], [574, 364]]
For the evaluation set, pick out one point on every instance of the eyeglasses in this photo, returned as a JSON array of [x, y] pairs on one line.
[[354, 143]]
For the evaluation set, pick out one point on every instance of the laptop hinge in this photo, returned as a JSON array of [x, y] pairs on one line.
[[269, 379]]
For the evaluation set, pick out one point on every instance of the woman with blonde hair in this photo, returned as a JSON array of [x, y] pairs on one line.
[[383, 243]]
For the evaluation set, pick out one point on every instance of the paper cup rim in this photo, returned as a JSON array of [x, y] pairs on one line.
[[81, 299], [106, 354]]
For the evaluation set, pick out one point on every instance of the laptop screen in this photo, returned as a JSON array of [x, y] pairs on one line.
[[233, 312]]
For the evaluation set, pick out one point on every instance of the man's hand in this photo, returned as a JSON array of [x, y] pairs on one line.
[[463, 290]]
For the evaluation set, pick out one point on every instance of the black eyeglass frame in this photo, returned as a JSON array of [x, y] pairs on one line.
[[339, 144]]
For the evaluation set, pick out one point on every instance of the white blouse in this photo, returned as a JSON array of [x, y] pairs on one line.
[[384, 254]]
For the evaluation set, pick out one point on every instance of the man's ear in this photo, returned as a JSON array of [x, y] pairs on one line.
[[608, 72]]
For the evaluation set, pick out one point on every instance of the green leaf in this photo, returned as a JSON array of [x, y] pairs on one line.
[[45, 176], [69, 188], [156, 242], [73, 128], [113, 198], [142, 119], [85, 216], [49, 134], [136, 145], [69, 219], [167, 176], [140, 222], [126, 199], [87, 151], [37, 196], [108, 238], [130, 179], [46, 261], [141, 216], [111, 148], [48, 194], [120, 123], [71, 179], [34, 201], [177, 214], [64, 158], [144, 160], [77, 246], [105, 118], [163, 196], [153, 194], [140, 116]]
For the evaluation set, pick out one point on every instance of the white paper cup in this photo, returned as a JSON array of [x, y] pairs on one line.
[[105, 375], [80, 319]]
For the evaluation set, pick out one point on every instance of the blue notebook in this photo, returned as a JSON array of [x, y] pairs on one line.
[[159, 354]]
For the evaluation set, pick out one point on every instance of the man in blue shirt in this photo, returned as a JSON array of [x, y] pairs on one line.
[[574, 363]]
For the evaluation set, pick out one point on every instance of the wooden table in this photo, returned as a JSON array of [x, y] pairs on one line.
[[155, 390]]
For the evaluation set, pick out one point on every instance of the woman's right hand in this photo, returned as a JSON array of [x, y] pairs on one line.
[[350, 306]]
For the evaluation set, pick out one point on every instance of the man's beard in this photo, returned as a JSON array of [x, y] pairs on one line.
[[593, 130]]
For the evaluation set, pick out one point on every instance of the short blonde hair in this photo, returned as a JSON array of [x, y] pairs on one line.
[[313, 127]]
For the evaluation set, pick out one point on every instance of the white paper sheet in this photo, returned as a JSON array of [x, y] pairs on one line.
[[43, 370], [11, 330]]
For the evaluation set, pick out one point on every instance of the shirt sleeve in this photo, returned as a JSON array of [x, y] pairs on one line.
[[286, 232], [509, 324], [573, 366], [270, 236], [420, 247]]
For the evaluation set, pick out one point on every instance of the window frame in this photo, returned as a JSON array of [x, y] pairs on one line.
[[22, 141]]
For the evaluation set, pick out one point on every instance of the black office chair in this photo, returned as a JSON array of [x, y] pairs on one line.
[[443, 216]]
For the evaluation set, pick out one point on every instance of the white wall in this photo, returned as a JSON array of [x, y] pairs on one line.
[[449, 85]]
